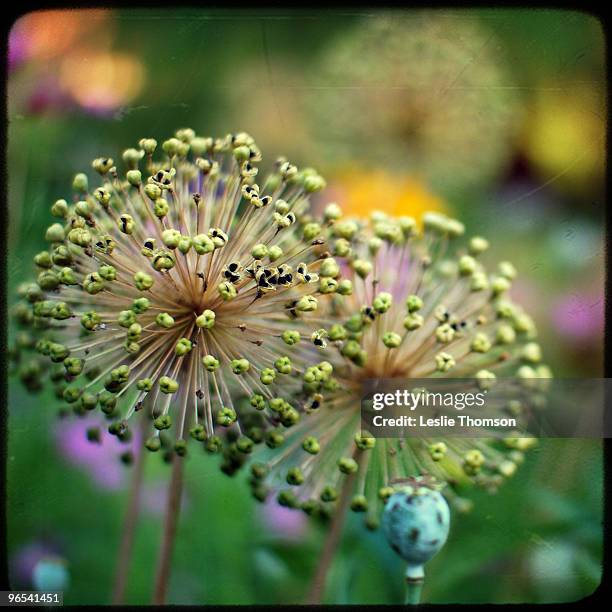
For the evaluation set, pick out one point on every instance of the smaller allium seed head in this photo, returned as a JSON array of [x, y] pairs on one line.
[[414, 312], [179, 285]]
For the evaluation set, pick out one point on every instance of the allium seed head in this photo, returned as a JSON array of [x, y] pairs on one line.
[[185, 287], [414, 312]]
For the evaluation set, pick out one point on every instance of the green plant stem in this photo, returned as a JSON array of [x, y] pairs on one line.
[[128, 530], [332, 540], [173, 506], [414, 587]]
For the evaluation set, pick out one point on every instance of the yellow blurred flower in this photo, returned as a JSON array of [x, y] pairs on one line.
[[362, 192], [102, 80], [565, 136]]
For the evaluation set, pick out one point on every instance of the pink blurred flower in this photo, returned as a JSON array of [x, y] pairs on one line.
[[25, 559], [99, 459], [282, 522], [579, 316]]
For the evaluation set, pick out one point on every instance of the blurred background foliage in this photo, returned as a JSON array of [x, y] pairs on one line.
[[497, 116]]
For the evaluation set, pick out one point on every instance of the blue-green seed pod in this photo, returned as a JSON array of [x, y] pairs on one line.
[[415, 521]]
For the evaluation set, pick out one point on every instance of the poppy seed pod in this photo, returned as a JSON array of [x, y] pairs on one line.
[[415, 521]]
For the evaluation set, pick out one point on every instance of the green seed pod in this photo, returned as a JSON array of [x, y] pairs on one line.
[[83, 209], [126, 224], [210, 363], [291, 337], [143, 281], [171, 238], [102, 196], [382, 302], [274, 439], [183, 346], [134, 331], [257, 401], [148, 145], [359, 503], [71, 394], [274, 253], [62, 256], [67, 277], [134, 177], [198, 432], [153, 192], [311, 231], [108, 273], [140, 305], [144, 384], [88, 401], [203, 244], [73, 365], [259, 251], [163, 319], [283, 365], [55, 233], [347, 465], [267, 376], [478, 245], [80, 183], [80, 236], [102, 165], [163, 422], [153, 444], [61, 311], [240, 366], [43, 260], [168, 385], [365, 440], [162, 260], [362, 267], [131, 157], [48, 280], [329, 267], [225, 417], [161, 207], [295, 476], [311, 445], [93, 283], [206, 320], [184, 244], [329, 494], [60, 209], [227, 291]]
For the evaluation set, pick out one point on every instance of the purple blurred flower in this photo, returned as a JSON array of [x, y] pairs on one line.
[[47, 97], [579, 316], [283, 522], [17, 47], [100, 460], [25, 559]]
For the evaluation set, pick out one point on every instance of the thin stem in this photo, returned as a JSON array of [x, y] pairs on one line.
[[128, 531], [162, 576], [413, 591], [332, 540]]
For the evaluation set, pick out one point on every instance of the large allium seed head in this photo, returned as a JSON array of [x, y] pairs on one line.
[[430, 84], [421, 307], [185, 286]]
